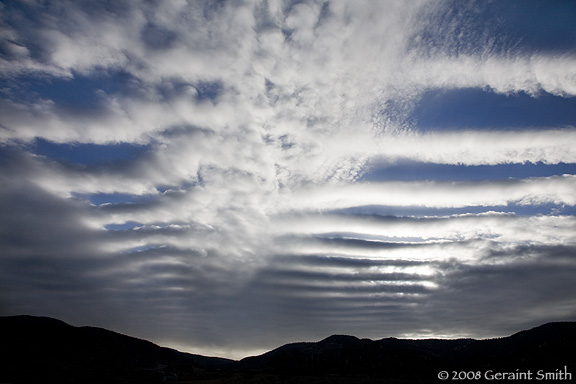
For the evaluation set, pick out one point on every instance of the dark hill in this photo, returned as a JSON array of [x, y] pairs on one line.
[[44, 350], [549, 347]]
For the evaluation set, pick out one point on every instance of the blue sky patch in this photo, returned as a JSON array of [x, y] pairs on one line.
[[114, 198], [440, 110], [414, 171], [462, 27], [88, 154], [415, 211], [208, 90], [123, 227], [79, 92]]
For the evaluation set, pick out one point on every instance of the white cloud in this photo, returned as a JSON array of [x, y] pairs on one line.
[[556, 189], [501, 227], [531, 74]]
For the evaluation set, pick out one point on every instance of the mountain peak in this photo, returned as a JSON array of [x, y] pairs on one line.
[[339, 339], [34, 321]]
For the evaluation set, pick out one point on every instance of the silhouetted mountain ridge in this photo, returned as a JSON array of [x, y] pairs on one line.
[[547, 347], [38, 348], [44, 350]]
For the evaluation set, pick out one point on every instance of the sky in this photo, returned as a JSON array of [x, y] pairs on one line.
[[224, 177]]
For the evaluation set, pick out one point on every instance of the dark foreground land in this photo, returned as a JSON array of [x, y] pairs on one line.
[[45, 350]]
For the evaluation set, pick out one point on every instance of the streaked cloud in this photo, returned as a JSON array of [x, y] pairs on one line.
[[226, 176]]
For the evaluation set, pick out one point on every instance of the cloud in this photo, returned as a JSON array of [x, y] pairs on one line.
[[514, 292], [383, 230], [554, 189], [259, 120]]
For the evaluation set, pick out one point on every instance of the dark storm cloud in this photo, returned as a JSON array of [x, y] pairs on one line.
[[53, 258], [48, 252], [344, 241], [522, 293], [464, 293], [331, 260], [29, 211], [319, 276]]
